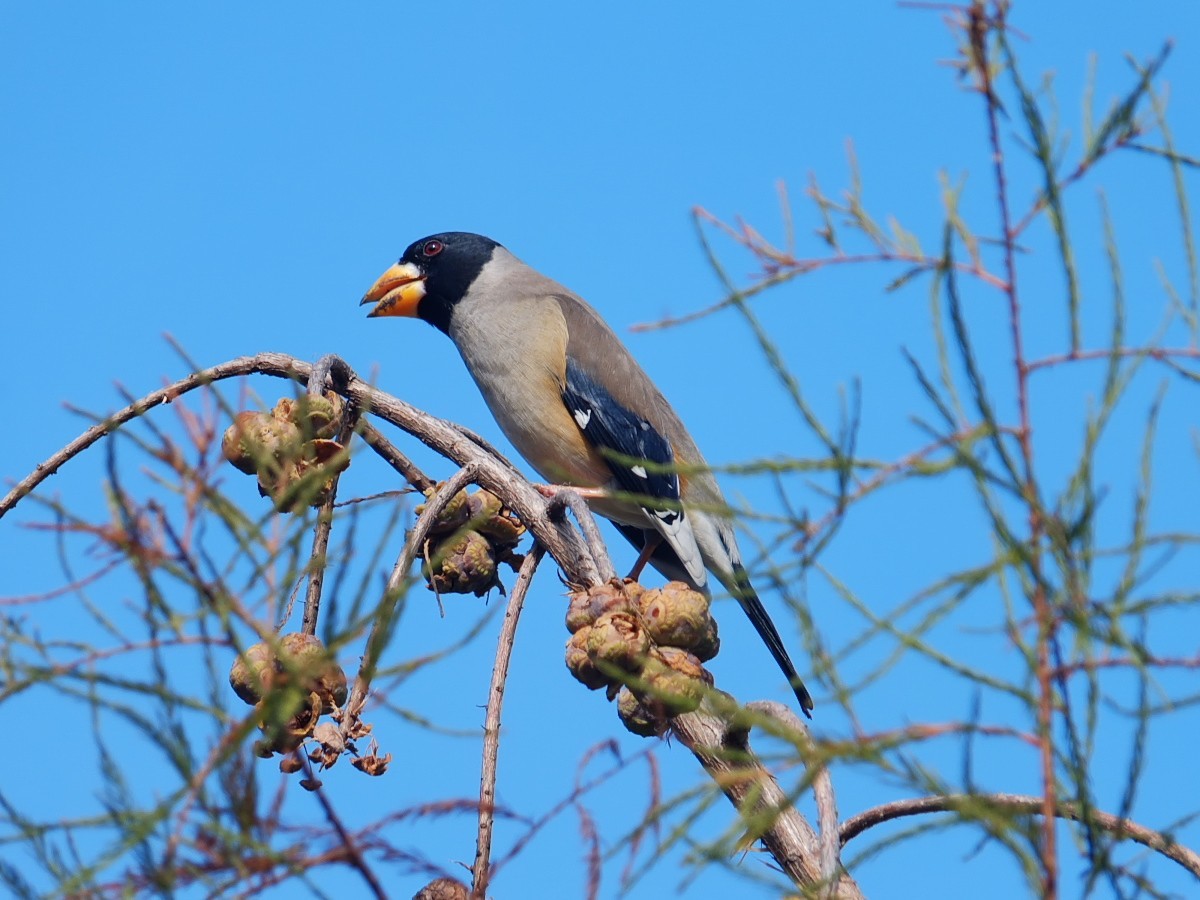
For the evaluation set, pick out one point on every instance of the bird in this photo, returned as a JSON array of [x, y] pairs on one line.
[[574, 402]]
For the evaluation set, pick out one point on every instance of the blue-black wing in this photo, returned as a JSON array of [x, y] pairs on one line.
[[639, 457]]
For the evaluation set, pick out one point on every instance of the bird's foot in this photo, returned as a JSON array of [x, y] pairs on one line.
[[644, 557]]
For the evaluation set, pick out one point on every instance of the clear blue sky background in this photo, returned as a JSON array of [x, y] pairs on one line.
[[237, 177]]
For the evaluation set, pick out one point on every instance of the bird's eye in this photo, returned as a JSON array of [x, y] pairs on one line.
[[433, 248]]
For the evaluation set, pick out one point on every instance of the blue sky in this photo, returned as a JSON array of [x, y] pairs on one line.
[[237, 177]]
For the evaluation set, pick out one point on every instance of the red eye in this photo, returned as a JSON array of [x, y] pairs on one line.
[[433, 248]]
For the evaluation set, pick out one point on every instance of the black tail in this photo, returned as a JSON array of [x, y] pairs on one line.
[[757, 614]]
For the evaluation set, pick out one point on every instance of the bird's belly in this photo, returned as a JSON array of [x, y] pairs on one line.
[[545, 434]]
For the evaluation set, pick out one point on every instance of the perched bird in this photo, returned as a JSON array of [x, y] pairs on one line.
[[578, 407]]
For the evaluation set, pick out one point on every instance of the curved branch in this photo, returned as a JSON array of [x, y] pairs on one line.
[[450, 440], [1022, 803]]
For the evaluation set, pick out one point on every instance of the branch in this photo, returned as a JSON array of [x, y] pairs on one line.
[[450, 440], [1021, 803], [725, 754], [481, 871], [723, 751]]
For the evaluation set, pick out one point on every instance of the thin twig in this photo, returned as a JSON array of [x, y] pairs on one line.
[[979, 28], [353, 852], [1024, 804], [375, 439], [317, 558], [481, 871], [394, 590]]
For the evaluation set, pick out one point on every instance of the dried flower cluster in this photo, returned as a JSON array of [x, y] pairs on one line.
[[291, 449], [471, 535], [645, 646], [292, 682]]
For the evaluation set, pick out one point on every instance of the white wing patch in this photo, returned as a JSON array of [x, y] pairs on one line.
[[582, 417]]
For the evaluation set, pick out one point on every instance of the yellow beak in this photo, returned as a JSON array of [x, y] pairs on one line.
[[397, 292]]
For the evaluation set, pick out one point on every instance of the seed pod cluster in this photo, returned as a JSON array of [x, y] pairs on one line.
[[646, 646], [290, 449], [472, 534], [292, 682]]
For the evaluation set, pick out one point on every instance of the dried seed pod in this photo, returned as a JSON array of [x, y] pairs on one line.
[[318, 673], [331, 745], [253, 672], [275, 481], [372, 763], [586, 606], [256, 440], [483, 504], [284, 409], [317, 415], [638, 717], [325, 453], [443, 889], [504, 530], [260, 669], [234, 446], [709, 643], [674, 678], [617, 639], [462, 564], [291, 764], [453, 515], [581, 665], [685, 663], [287, 736], [323, 459], [305, 476], [330, 737], [675, 615]]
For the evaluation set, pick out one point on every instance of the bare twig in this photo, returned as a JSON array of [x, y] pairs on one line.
[[979, 28], [353, 852], [1021, 804], [481, 871], [317, 558], [395, 589], [393, 457]]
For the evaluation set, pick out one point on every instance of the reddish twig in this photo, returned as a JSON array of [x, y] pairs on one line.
[[979, 28]]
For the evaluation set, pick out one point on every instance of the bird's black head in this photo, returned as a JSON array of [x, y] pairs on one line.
[[433, 274]]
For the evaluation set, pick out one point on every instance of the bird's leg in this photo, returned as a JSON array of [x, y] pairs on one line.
[[587, 493], [644, 557]]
